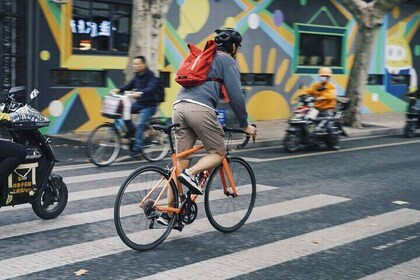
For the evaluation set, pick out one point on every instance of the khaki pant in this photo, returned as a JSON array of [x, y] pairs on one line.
[[197, 122]]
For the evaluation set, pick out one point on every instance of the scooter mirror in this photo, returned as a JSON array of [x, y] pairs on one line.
[[34, 94], [16, 89]]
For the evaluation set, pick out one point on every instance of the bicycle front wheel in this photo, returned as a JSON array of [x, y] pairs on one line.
[[136, 225], [156, 144], [225, 212], [103, 145]]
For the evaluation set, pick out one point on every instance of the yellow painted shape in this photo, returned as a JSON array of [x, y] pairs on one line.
[[291, 83], [374, 107], [280, 30], [351, 37], [96, 62], [350, 60], [395, 44], [268, 105], [45, 55], [271, 60], [298, 92], [193, 15], [243, 66], [402, 23], [55, 30], [92, 103], [396, 12], [342, 10], [342, 80], [230, 22], [281, 71], [257, 59]]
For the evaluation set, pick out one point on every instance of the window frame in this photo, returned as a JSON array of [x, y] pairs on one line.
[[321, 30], [102, 83], [111, 39]]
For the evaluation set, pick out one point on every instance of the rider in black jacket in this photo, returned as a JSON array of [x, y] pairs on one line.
[[11, 155], [144, 84]]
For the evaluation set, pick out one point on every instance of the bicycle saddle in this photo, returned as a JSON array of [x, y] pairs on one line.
[[165, 128]]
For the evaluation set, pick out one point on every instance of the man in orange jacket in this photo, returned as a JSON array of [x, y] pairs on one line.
[[325, 101]]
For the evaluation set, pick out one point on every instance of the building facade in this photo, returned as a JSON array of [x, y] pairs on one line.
[[75, 51]]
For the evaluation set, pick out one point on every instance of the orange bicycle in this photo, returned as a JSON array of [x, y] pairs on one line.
[[150, 191]]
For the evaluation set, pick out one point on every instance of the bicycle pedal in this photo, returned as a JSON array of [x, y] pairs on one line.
[[178, 227]]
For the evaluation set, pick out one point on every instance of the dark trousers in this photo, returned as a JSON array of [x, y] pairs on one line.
[[146, 112], [332, 137], [11, 155]]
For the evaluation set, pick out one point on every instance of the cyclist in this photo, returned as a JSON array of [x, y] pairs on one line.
[[325, 101], [11, 155], [195, 109], [144, 86]]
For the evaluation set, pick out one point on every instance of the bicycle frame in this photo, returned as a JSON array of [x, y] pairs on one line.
[[174, 172]]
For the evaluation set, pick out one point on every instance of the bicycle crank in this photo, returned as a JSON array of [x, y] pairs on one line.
[[189, 211]]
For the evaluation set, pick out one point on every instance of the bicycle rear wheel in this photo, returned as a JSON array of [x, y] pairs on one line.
[[103, 145], [137, 226], [225, 212], [156, 143]]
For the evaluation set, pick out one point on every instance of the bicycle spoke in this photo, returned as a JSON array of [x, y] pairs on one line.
[[137, 226], [225, 211]]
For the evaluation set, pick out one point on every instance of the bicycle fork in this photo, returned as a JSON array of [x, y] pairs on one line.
[[225, 172]]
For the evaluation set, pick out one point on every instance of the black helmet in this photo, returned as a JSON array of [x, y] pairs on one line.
[[227, 36]]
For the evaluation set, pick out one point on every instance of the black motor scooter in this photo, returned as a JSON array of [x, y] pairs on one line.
[[307, 129], [33, 181], [412, 116]]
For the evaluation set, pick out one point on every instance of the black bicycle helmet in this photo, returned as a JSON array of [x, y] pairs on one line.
[[226, 37]]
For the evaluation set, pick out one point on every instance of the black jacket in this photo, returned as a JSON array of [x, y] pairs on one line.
[[146, 83]]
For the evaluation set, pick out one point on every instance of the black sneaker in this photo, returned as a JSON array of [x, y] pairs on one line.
[[137, 154], [164, 219], [190, 182]]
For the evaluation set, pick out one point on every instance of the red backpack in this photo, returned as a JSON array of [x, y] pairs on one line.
[[194, 69]]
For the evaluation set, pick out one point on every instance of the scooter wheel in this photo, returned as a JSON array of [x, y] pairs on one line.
[[52, 200], [409, 130], [291, 142]]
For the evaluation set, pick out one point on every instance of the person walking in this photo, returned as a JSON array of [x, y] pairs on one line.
[[144, 86]]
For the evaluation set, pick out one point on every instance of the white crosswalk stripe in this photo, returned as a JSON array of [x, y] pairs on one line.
[[89, 250], [75, 219], [406, 271], [251, 259], [272, 254]]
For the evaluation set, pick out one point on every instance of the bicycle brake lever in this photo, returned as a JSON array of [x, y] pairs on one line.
[[242, 145]]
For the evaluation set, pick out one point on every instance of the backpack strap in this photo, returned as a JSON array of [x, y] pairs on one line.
[[223, 88]]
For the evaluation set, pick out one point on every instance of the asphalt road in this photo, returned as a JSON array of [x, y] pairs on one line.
[[350, 214]]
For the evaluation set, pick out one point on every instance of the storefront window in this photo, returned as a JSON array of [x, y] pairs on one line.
[[319, 46], [101, 26], [77, 78]]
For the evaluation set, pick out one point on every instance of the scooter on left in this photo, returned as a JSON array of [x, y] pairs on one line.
[[32, 181]]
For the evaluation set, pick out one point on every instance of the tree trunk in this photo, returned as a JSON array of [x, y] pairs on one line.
[[359, 75], [369, 17], [147, 19]]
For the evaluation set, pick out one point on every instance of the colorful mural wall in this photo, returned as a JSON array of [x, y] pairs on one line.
[[270, 45]]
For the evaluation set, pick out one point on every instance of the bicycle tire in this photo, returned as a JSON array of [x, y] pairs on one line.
[[226, 213], [131, 222], [156, 143], [103, 145]]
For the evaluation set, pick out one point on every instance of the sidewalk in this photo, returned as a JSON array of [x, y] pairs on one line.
[[70, 147]]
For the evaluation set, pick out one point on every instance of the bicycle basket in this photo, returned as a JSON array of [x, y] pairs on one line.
[[112, 107]]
